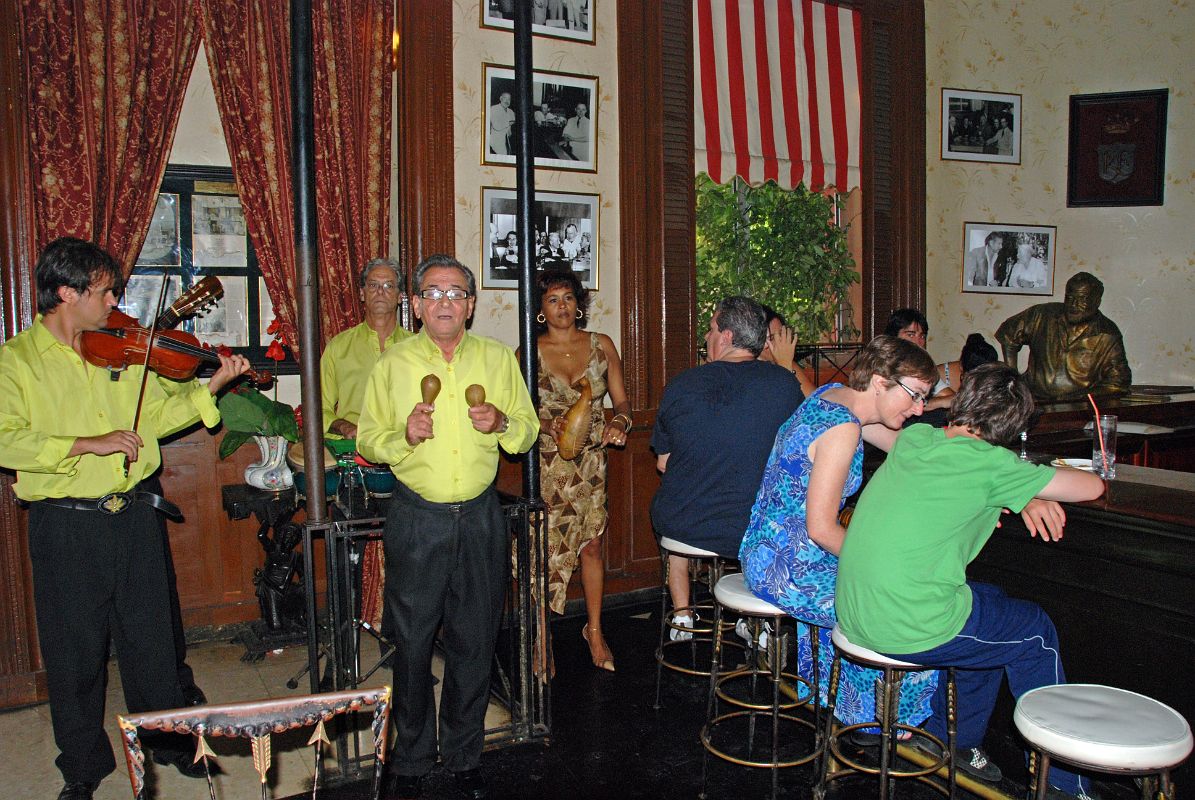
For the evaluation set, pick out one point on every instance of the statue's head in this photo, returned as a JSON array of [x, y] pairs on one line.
[[1083, 294]]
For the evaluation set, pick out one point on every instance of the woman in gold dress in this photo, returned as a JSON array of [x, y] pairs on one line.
[[575, 490]]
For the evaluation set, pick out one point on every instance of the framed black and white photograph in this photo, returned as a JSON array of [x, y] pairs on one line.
[[981, 126], [562, 19], [565, 119], [566, 236], [227, 322], [141, 292], [1008, 259], [161, 240], [218, 231]]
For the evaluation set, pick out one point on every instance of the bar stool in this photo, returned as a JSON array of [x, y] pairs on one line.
[[731, 593], [700, 635], [886, 703], [1102, 729]]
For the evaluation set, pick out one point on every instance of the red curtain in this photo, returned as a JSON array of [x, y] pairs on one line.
[[353, 78], [248, 50], [104, 83], [248, 44], [353, 75]]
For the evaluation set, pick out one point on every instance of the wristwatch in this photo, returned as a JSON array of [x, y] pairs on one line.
[[505, 426]]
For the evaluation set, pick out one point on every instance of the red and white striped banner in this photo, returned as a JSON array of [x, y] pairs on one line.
[[776, 92]]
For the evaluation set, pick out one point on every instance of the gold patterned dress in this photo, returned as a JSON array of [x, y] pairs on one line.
[[574, 491]]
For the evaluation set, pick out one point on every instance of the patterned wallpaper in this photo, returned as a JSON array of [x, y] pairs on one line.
[[1047, 50], [497, 311]]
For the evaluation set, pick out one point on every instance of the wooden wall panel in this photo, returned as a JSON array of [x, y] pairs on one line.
[[22, 679]]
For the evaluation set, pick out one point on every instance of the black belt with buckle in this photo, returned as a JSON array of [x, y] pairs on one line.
[[116, 503]]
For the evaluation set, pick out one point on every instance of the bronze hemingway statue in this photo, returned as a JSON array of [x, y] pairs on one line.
[[1073, 348]]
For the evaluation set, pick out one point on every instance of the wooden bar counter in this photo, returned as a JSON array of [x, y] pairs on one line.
[[1120, 587], [1060, 430]]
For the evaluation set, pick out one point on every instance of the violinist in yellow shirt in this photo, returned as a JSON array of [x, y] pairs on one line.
[[99, 573]]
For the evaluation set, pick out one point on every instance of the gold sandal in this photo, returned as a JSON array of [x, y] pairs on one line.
[[606, 663]]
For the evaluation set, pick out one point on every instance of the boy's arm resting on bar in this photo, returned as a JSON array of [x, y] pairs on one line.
[[1044, 517], [1072, 486]]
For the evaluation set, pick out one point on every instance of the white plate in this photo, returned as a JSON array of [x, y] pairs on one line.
[[1073, 463]]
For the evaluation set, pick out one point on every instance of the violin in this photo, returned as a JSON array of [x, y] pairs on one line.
[[174, 354]]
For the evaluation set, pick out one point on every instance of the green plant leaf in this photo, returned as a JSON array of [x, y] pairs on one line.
[[778, 247], [232, 441]]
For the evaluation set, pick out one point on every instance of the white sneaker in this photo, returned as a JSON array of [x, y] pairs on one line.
[[743, 630], [683, 621]]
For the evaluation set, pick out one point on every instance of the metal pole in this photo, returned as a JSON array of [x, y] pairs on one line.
[[524, 200], [306, 255]]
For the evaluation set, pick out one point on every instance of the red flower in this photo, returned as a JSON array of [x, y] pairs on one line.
[[224, 350], [275, 326], [299, 416], [275, 351]]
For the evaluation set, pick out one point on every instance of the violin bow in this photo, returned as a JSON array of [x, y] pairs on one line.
[[149, 348]]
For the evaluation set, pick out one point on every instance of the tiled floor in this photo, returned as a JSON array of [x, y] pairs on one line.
[[608, 740], [27, 770]]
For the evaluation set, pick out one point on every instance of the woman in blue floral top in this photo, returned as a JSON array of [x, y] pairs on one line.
[[790, 551]]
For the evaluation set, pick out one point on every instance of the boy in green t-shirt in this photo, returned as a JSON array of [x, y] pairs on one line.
[[927, 512]]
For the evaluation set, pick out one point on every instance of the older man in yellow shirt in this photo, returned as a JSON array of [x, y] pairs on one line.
[[447, 544], [351, 354], [99, 571]]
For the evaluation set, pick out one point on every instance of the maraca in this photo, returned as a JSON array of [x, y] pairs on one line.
[[475, 395], [430, 387]]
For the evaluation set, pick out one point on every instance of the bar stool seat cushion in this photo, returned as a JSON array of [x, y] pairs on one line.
[[732, 592], [859, 652], [681, 549], [1102, 726]]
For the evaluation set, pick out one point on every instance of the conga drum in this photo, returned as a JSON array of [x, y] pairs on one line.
[[294, 457]]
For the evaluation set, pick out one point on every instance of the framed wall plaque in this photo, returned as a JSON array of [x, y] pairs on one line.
[[1117, 149]]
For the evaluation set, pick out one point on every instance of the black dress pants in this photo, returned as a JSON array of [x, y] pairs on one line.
[[98, 580], [447, 567]]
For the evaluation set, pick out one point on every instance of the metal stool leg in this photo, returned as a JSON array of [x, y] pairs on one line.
[[663, 623], [711, 703], [1043, 775]]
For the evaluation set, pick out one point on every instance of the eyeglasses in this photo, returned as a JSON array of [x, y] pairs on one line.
[[917, 397], [443, 294], [375, 287]]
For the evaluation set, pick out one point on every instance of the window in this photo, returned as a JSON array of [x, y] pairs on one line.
[[198, 229]]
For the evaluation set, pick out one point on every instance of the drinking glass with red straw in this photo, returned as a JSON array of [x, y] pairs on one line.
[[1099, 431]]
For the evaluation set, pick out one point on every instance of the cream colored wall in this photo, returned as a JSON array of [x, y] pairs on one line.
[[1047, 50], [200, 139], [497, 311]]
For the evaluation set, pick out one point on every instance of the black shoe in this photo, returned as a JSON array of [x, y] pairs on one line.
[[194, 696], [862, 740], [404, 787], [77, 790], [472, 783], [970, 760], [185, 763]]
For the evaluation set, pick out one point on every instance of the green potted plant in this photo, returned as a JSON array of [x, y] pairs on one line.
[[781, 248], [248, 414]]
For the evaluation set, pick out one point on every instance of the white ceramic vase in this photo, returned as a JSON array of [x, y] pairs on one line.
[[271, 473]]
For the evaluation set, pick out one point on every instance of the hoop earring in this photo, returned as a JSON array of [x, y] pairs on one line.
[[540, 318], [580, 314]]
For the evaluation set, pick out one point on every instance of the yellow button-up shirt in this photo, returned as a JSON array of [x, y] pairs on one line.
[[459, 462], [344, 368], [49, 397]]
